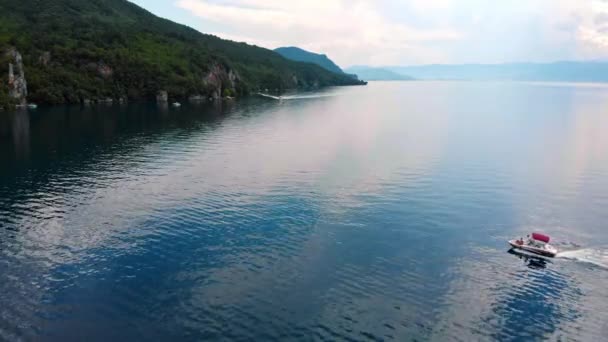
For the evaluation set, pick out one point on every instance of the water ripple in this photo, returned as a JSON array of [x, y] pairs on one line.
[[375, 213]]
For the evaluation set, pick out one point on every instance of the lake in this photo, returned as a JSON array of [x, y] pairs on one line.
[[355, 213]]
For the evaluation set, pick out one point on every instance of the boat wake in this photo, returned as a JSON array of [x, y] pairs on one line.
[[295, 97], [596, 256]]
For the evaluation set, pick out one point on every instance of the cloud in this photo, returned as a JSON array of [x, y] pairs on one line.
[[346, 30], [385, 32], [592, 32]]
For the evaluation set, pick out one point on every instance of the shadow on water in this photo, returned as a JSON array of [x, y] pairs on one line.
[[48, 132], [535, 307], [52, 152], [36, 146], [16, 132], [532, 261]]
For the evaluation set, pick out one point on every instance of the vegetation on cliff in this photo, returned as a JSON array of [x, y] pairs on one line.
[[76, 50]]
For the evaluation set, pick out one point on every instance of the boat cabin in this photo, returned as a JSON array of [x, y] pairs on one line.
[[538, 240]]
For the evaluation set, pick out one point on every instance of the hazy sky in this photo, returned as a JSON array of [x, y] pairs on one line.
[[391, 32]]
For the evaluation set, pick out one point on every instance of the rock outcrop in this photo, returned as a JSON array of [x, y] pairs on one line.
[[17, 85], [104, 70], [45, 58], [162, 96], [219, 78]]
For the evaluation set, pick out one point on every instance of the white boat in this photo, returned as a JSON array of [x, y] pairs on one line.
[[177, 104], [32, 106], [537, 244]]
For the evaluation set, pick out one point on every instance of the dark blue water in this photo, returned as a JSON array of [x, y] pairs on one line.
[[364, 213]]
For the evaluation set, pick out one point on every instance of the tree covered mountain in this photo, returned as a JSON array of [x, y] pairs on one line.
[[75, 51], [300, 55]]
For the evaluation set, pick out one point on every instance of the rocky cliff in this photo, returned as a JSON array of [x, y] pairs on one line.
[[17, 84], [221, 81]]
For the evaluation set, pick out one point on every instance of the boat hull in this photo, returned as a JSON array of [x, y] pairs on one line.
[[531, 249]]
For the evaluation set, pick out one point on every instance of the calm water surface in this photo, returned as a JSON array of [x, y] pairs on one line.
[[364, 213]]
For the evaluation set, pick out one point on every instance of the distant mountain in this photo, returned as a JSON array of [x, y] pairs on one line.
[[75, 51], [569, 71], [300, 55], [377, 74]]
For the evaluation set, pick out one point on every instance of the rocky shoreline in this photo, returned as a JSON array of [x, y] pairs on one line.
[[220, 83]]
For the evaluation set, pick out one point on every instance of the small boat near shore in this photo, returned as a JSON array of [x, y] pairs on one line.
[[536, 243], [176, 104]]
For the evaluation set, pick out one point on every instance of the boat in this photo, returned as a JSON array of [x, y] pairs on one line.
[[32, 106], [536, 243], [177, 104]]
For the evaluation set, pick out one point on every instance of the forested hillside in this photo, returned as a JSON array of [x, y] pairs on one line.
[[300, 55], [76, 51]]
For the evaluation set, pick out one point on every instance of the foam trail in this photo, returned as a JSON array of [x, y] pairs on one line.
[[596, 256], [312, 96], [295, 97], [270, 96]]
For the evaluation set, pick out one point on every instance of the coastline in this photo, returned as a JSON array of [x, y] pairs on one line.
[[169, 100]]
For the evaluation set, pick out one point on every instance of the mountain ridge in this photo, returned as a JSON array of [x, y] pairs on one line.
[[298, 54], [565, 71], [376, 74]]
